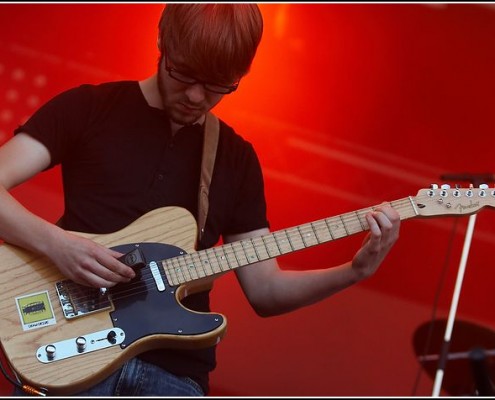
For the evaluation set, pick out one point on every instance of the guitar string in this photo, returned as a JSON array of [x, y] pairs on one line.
[[230, 253], [352, 220], [348, 219], [135, 288]]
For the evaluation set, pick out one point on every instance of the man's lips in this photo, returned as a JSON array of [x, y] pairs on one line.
[[189, 108]]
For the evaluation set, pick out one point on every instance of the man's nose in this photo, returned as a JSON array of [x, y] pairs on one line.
[[196, 93]]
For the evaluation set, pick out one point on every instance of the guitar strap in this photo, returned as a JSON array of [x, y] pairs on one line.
[[210, 142]]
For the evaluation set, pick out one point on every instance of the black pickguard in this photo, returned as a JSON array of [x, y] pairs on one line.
[[142, 310]]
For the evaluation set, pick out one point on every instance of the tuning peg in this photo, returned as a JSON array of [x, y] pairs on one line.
[[483, 186], [445, 186], [433, 186]]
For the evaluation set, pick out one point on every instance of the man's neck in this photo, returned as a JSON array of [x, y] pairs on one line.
[[174, 127], [151, 93]]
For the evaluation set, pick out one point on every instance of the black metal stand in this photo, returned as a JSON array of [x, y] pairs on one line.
[[480, 370]]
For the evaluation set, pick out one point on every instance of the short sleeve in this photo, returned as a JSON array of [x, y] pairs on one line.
[[59, 123], [250, 203]]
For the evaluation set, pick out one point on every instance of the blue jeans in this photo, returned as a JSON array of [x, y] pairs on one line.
[[139, 378]]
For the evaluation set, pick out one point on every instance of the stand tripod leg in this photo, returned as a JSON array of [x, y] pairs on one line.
[[453, 307]]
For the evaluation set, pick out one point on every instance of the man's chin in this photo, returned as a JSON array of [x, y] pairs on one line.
[[181, 119]]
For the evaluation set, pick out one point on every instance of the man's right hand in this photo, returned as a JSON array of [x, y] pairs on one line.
[[89, 263]]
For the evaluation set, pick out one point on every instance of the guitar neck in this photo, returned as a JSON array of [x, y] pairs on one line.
[[219, 259]]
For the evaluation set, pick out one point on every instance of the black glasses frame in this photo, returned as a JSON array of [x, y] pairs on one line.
[[189, 80]]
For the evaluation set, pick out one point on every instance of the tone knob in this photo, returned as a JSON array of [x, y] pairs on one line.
[[81, 344]]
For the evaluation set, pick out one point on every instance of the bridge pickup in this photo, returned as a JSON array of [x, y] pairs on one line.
[[78, 300]]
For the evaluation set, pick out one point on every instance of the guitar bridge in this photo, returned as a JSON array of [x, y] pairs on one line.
[[78, 300]]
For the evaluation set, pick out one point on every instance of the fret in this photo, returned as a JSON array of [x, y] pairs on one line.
[[223, 262], [239, 253], [295, 240], [313, 226], [261, 249], [363, 225], [352, 224], [205, 263], [411, 210], [196, 259], [189, 266], [329, 229], [271, 245], [321, 231], [173, 275], [177, 268], [249, 251], [213, 260], [180, 264], [191, 269], [282, 242], [337, 228], [231, 256], [169, 273], [344, 225], [308, 235]]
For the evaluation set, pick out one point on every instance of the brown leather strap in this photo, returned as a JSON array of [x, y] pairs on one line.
[[210, 141]]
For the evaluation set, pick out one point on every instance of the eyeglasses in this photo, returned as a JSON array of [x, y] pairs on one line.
[[211, 87]]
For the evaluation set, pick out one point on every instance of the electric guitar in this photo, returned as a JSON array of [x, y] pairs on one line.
[[61, 337]]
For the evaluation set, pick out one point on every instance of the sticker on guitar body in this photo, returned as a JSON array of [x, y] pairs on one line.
[[35, 310]]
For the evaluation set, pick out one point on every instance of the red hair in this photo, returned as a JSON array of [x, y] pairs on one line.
[[216, 41]]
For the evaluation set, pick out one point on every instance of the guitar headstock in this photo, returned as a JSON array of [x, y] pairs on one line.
[[445, 200]]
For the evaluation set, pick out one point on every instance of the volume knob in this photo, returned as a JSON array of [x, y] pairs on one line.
[[81, 344], [50, 351]]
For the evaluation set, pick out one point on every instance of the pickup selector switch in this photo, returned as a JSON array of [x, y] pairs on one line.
[[112, 337]]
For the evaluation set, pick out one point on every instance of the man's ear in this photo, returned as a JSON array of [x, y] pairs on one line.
[[159, 43]]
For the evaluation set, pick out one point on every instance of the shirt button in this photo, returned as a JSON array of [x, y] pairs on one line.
[[160, 177]]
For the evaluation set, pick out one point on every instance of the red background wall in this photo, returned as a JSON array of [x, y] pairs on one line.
[[348, 105]]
